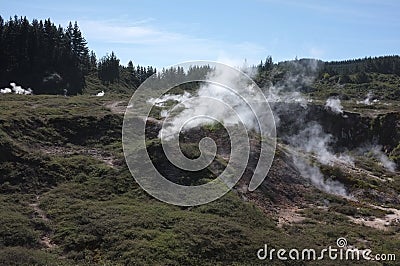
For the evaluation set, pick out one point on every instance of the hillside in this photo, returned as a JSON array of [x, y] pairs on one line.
[[68, 197]]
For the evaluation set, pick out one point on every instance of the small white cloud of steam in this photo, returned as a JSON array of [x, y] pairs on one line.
[[160, 102], [19, 90], [314, 140], [335, 105], [278, 94], [164, 113], [317, 179], [375, 151], [5, 91], [383, 158], [16, 89], [287, 91], [100, 94], [369, 100]]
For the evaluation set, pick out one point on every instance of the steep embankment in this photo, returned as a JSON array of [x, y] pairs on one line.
[[349, 129]]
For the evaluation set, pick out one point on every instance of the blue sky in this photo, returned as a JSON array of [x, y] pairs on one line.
[[162, 33]]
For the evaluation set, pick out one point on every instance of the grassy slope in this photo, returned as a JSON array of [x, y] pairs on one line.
[[57, 148], [381, 86]]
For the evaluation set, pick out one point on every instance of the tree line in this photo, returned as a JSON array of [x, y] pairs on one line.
[[39, 55], [383, 65], [53, 60]]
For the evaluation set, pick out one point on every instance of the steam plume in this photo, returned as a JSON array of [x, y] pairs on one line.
[[369, 99], [383, 158], [5, 91], [160, 102], [314, 174], [334, 105], [16, 89], [197, 106]]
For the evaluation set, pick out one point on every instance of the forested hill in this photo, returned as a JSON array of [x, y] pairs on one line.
[[383, 65], [355, 78], [51, 59]]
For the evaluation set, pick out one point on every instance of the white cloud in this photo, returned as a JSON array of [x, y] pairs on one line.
[[143, 42], [111, 32]]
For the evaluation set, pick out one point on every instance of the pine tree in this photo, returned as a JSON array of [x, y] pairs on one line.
[[93, 61], [108, 69]]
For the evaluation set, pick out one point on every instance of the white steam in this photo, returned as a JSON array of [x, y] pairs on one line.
[[313, 141], [277, 94], [287, 91], [16, 89], [198, 105], [314, 174], [334, 105], [162, 101], [164, 113], [375, 151], [5, 91], [369, 100], [383, 158]]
